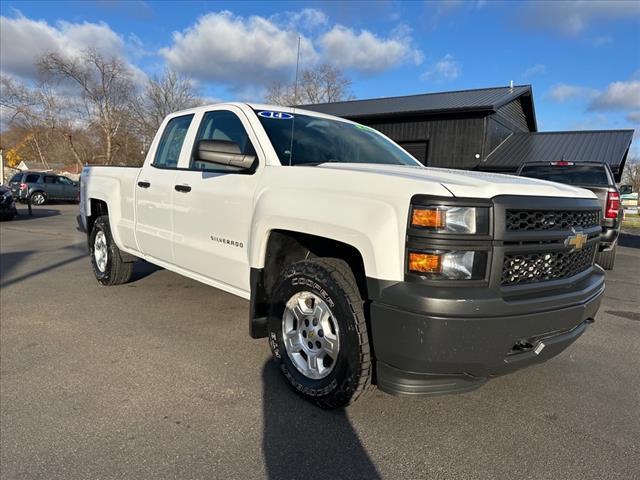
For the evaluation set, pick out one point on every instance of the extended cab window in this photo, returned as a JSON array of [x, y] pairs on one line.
[[168, 152], [222, 125]]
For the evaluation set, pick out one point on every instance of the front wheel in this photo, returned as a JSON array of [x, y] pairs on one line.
[[318, 333], [108, 266]]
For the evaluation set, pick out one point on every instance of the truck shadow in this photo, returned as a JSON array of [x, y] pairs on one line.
[[629, 240], [302, 441], [142, 269]]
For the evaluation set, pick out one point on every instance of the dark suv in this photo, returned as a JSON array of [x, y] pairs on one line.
[[598, 178], [42, 187]]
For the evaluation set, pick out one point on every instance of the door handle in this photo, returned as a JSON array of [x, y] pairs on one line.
[[144, 184], [182, 188]]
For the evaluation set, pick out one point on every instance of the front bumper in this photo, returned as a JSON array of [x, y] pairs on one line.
[[445, 343]]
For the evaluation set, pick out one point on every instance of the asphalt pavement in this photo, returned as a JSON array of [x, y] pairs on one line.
[[160, 379]]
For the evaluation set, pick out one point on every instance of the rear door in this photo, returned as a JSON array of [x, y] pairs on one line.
[[14, 184], [214, 209], [154, 192]]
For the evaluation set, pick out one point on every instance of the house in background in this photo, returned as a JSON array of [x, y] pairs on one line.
[[489, 129]]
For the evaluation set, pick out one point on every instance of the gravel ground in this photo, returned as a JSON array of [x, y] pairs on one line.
[[159, 379]]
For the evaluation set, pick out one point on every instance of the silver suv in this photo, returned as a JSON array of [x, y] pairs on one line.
[[42, 187]]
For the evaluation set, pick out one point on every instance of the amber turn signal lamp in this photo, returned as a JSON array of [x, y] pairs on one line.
[[428, 218], [424, 262]]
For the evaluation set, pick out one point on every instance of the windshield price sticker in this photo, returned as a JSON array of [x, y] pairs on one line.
[[276, 115], [364, 127]]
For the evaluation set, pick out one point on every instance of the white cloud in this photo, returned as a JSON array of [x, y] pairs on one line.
[[306, 19], [23, 41], [537, 69], [231, 49], [561, 92], [618, 96], [572, 17], [445, 69], [244, 52], [634, 117], [365, 51]]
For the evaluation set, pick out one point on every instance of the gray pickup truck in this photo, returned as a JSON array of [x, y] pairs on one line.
[[598, 178]]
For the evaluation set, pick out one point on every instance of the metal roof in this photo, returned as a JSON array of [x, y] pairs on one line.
[[607, 146], [483, 99]]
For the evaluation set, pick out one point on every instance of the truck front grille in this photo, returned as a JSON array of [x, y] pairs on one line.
[[518, 269], [540, 220]]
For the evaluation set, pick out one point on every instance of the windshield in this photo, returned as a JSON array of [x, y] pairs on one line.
[[319, 140], [578, 175]]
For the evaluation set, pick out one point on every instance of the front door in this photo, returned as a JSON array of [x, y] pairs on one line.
[[154, 192], [212, 219], [52, 188], [68, 188]]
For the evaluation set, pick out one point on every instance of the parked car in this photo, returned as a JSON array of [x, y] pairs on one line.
[[7, 204], [361, 266], [43, 187], [629, 199], [598, 178]]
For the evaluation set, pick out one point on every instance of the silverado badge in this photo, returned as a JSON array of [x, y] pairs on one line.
[[577, 240]]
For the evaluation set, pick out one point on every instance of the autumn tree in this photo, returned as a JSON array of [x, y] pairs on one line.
[[101, 87], [31, 112], [321, 84]]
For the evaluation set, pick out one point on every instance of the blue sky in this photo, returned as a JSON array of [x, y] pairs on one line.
[[582, 57]]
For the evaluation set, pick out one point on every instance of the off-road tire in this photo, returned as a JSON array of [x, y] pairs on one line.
[[117, 271], [333, 281], [606, 259]]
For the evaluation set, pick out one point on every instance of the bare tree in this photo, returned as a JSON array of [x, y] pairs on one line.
[[104, 88], [32, 111], [631, 174], [162, 96], [321, 84]]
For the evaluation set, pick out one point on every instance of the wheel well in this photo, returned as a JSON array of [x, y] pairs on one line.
[[98, 209], [286, 247]]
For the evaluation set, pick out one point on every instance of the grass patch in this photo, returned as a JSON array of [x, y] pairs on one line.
[[631, 221]]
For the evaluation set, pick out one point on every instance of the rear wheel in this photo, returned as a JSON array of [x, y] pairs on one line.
[[607, 258], [38, 198], [106, 259], [318, 333]]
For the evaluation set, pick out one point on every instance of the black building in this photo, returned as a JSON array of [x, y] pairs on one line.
[[490, 129]]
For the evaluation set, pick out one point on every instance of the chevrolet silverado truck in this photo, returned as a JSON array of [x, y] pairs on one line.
[[362, 267]]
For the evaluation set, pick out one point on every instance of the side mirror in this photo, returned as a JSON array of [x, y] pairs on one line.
[[626, 189], [222, 152]]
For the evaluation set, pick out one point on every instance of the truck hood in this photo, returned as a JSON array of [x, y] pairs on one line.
[[464, 183]]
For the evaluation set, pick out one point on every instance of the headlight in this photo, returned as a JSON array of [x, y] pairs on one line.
[[449, 265], [449, 219]]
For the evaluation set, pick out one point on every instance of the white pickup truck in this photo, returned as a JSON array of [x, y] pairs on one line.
[[362, 267]]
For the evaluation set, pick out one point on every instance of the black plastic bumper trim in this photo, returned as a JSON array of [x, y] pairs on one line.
[[402, 383]]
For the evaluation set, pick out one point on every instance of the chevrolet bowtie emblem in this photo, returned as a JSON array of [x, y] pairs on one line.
[[577, 241]]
